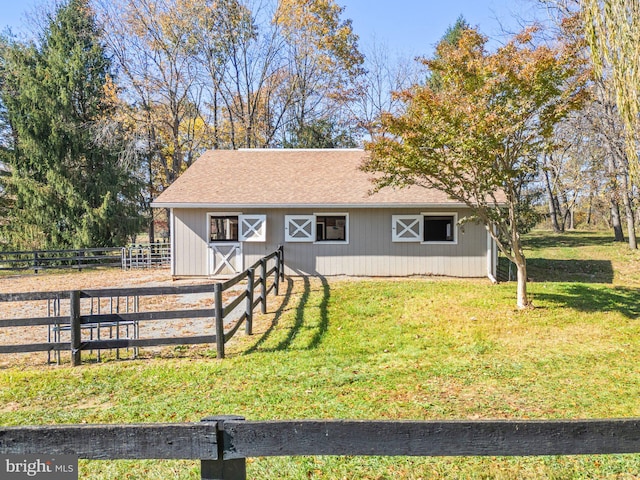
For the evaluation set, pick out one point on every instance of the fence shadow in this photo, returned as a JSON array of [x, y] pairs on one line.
[[284, 306], [586, 298], [315, 330]]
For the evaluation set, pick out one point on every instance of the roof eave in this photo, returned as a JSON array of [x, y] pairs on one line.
[[218, 206]]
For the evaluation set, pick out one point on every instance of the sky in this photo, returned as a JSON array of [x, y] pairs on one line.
[[407, 28], [414, 27]]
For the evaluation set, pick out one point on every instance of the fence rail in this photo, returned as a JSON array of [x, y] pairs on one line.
[[132, 256], [223, 443], [79, 259], [506, 270], [146, 256], [257, 275]]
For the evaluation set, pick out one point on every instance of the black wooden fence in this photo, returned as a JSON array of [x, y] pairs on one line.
[[222, 444], [506, 270], [79, 259], [133, 256], [257, 278]]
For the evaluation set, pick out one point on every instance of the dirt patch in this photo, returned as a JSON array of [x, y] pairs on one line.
[[99, 279]]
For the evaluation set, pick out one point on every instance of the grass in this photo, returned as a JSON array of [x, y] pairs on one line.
[[387, 349]]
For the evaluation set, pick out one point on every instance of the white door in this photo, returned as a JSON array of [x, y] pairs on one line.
[[225, 258]]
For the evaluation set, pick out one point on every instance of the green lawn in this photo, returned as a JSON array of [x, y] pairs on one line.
[[396, 349]]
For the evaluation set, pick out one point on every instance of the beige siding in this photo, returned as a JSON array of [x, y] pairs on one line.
[[370, 251], [190, 239]]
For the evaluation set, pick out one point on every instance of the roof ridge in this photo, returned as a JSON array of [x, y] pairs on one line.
[[299, 150]]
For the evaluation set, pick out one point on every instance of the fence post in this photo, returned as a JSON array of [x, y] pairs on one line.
[[249, 309], [263, 286], [74, 320], [276, 277], [79, 259], [222, 469], [217, 294], [35, 262], [281, 256]]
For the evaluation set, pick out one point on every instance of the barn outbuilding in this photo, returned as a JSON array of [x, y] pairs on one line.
[[231, 207]]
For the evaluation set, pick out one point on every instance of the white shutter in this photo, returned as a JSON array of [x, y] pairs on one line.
[[299, 228], [252, 228], [406, 228]]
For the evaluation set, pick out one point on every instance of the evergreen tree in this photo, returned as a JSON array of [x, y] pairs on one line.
[[320, 134], [451, 37], [68, 184]]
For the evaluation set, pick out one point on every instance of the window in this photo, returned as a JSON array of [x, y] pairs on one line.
[[439, 228], [252, 228], [331, 228], [223, 228], [299, 228], [406, 228], [425, 228]]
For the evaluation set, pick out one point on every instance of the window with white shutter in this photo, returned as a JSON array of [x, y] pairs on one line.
[[406, 228], [252, 228], [299, 228]]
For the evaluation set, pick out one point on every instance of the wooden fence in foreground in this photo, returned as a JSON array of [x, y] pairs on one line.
[[257, 276], [222, 444]]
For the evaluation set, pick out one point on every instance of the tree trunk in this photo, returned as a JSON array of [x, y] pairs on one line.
[[615, 206], [553, 213], [615, 221], [152, 229], [521, 265], [572, 218], [589, 208], [168, 222], [631, 231], [522, 299]]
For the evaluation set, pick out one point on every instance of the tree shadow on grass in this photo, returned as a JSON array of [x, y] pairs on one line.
[[301, 321], [566, 240], [586, 298], [584, 271]]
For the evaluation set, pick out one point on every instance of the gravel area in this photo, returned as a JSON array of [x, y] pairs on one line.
[[96, 279]]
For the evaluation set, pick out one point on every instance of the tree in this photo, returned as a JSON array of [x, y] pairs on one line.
[[478, 135], [68, 184], [321, 134], [608, 137], [612, 29], [451, 36], [383, 76], [324, 58], [7, 136], [197, 74], [607, 132]]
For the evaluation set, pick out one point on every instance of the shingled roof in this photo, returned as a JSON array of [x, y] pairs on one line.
[[287, 178]]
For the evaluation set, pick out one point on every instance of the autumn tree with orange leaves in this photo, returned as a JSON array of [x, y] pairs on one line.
[[197, 74], [476, 133]]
